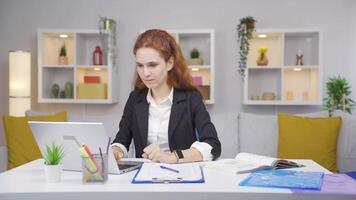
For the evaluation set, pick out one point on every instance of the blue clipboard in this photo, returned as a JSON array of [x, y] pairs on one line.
[[285, 179], [160, 181]]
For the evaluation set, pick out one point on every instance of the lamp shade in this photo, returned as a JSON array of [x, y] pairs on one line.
[[20, 82], [18, 106]]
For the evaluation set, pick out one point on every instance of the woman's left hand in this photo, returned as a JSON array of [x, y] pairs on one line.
[[154, 153]]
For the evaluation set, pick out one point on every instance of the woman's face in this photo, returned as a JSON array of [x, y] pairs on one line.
[[152, 68]]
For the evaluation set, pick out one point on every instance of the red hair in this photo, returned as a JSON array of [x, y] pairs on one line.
[[179, 76]]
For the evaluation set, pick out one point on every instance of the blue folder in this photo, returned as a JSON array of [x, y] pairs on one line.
[[285, 179], [160, 180]]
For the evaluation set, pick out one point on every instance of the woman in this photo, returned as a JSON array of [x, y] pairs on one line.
[[165, 111]]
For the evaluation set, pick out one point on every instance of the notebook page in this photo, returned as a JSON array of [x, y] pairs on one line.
[[234, 166], [258, 160]]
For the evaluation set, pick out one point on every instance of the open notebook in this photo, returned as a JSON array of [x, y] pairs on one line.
[[169, 173], [247, 163]]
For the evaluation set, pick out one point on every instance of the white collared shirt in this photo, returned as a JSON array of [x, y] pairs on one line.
[[158, 121]]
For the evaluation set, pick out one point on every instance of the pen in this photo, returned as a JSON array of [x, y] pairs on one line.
[[107, 147], [170, 169]]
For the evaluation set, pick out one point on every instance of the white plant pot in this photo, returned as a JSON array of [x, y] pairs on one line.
[[195, 61], [53, 173]]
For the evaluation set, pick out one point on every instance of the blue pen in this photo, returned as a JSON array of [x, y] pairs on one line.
[[170, 169]]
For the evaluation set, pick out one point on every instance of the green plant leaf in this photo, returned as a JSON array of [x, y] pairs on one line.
[[245, 29], [54, 154], [338, 91], [63, 51], [194, 53]]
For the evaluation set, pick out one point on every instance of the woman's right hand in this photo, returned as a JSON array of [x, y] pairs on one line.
[[118, 153]]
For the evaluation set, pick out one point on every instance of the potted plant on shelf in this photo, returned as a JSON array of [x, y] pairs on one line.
[[338, 96], [194, 57], [63, 59], [245, 29], [53, 167]]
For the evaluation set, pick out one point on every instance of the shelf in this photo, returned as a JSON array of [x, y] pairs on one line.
[[86, 43], [93, 66], [307, 42], [101, 85], [264, 67], [203, 74], [58, 76], [290, 83], [261, 102], [263, 81], [205, 91], [301, 67], [273, 42], [201, 41], [51, 44], [204, 67], [102, 73], [301, 85], [74, 101], [58, 66]]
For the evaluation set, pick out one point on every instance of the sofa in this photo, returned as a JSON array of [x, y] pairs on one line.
[[258, 134]]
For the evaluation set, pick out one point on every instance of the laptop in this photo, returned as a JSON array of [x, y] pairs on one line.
[[90, 133]]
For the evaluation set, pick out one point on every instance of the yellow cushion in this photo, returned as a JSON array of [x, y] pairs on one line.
[[309, 138], [22, 146]]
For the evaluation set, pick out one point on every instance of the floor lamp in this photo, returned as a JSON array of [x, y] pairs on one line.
[[19, 82]]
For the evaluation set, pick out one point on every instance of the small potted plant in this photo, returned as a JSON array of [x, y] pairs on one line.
[[338, 96], [245, 29], [194, 57], [63, 59], [53, 167]]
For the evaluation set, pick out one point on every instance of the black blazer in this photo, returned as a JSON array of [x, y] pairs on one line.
[[188, 113]]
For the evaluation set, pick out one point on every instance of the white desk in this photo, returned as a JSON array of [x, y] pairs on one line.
[[28, 182]]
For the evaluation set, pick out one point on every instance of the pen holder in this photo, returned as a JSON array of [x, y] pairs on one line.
[[95, 169]]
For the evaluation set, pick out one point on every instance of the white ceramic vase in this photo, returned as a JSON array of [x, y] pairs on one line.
[[53, 173]]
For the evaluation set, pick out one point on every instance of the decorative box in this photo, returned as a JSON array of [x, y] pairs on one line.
[[198, 80], [92, 91], [91, 79]]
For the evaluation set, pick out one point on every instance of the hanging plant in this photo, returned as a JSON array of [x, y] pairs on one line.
[[338, 93], [245, 29], [107, 28]]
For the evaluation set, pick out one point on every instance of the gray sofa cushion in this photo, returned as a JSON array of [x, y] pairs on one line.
[[346, 147], [258, 134], [3, 158]]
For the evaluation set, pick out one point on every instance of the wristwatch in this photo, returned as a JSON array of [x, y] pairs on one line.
[[179, 155]]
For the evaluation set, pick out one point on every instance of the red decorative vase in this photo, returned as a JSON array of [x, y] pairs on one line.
[[97, 56]]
